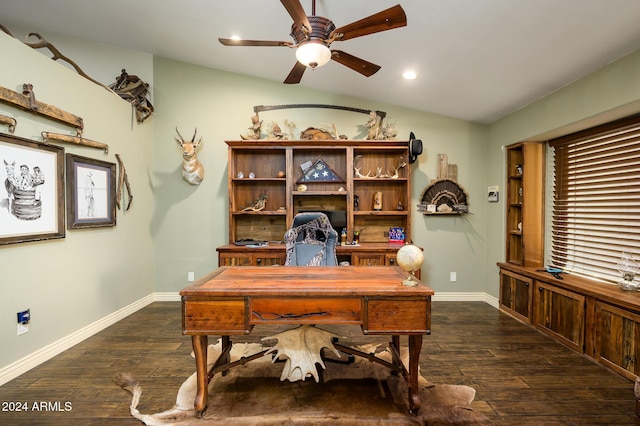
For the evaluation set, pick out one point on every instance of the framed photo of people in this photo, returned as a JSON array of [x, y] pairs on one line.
[[31, 191]]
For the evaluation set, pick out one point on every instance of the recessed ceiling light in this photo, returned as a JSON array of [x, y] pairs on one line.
[[235, 37], [409, 75]]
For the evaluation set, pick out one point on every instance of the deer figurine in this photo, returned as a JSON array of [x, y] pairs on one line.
[[192, 170]]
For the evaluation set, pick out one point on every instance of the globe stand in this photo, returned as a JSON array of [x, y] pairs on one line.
[[410, 259], [411, 280]]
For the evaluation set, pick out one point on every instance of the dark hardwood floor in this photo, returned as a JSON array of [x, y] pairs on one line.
[[521, 376]]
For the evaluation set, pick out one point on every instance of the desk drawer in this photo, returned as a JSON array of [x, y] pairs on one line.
[[214, 317], [397, 316], [312, 310]]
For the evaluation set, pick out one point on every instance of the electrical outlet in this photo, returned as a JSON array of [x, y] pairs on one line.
[[453, 277], [190, 276], [23, 321], [23, 328]]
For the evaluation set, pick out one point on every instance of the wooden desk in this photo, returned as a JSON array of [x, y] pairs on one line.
[[232, 300]]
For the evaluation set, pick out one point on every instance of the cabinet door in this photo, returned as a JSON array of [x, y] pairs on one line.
[[617, 342], [234, 259], [560, 314], [368, 259], [270, 259], [516, 295]]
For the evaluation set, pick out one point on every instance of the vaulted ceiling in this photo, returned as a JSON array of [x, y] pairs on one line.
[[476, 60]]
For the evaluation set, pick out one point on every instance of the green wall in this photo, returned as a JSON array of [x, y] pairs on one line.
[[78, 281], [190, 222]]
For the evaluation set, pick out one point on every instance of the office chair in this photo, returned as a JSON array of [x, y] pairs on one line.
[[311, 241]]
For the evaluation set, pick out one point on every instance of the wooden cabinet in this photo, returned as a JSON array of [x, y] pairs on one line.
[[272, 171], [525, 204], [369, 259], [560, 313], [591, 317], [231, 255], [617, 339], [516, 295]]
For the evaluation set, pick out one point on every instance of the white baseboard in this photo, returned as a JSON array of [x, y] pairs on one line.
[[36, 358], [167, 296], [465, 297]]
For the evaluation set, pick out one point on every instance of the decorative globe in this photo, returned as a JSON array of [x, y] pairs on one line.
[[410, 258]]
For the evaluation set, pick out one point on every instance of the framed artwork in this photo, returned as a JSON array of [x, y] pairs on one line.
[[91, 192], [31, 191]]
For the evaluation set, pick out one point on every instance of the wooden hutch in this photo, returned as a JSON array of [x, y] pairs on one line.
[[274, 168]]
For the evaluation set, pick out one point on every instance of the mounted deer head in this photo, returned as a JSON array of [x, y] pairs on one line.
[[192, 170]]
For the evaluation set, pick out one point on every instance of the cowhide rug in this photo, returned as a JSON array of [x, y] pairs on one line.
[[360, 393]]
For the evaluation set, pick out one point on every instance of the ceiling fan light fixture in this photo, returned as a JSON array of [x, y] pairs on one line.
[[313, 54], [409, 75]]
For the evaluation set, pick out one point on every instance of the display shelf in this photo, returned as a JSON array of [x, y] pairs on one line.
[[524, 239], [279, 171]]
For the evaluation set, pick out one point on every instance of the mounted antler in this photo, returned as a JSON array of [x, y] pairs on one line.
[[357, 169], [302, 347], [397, 168], [192, 169]]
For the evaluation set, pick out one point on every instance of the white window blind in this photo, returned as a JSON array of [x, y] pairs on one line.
[[596, 205]]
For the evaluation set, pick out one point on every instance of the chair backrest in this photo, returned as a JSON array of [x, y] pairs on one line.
[[311, 241]]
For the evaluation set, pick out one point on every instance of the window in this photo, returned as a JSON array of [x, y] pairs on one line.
[[596, 200]]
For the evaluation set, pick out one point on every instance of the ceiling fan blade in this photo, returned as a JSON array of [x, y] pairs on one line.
[[232, 42], [360, 65], [388, 19], [297, 13], [296, 73]]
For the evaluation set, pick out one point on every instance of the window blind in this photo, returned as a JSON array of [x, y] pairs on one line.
[[596, 200]]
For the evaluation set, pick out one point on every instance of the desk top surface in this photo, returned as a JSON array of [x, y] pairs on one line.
[[306, 281]]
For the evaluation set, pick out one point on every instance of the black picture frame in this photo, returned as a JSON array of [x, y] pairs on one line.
[[32, 196], [91, 192]]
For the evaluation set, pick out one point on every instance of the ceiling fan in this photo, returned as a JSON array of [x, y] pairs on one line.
[[313, 36]]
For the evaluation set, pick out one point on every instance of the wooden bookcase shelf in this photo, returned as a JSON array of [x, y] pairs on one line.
[[269, 160], [525, 204]]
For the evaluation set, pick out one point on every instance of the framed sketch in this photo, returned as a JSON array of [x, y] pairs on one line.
[[91, 192], [31, 191]]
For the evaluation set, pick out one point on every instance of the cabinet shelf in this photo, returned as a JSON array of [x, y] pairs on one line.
[[379, 180], [257, 179], [308, 193], [381, 213], [262, 212]]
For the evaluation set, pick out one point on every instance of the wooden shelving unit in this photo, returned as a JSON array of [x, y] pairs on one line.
[[525, 204], [266, 158]]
